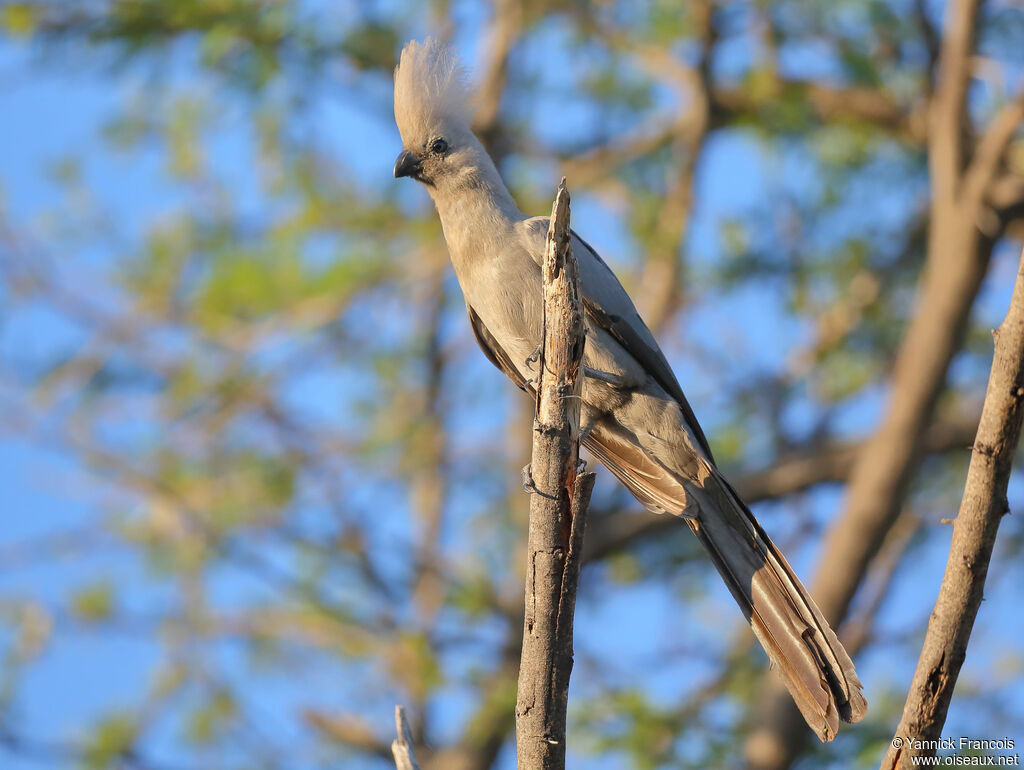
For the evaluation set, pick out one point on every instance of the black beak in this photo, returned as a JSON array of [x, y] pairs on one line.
[[407, 164]]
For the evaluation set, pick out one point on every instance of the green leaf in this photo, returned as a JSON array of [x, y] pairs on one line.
[[371, 46], [213, 718], [18, 19], [94, 602], [112, 738]]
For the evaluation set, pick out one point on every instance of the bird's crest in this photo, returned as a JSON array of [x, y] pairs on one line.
[[430, 90]]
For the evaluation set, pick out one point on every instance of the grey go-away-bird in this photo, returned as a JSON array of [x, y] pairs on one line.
[[635, 419]]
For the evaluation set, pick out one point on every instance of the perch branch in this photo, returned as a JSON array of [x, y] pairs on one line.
[[401, 747], [557, 510]]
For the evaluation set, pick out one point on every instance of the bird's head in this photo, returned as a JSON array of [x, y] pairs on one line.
[[433, 115]]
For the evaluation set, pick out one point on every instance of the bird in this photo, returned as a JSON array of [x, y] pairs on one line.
[[635, 419]]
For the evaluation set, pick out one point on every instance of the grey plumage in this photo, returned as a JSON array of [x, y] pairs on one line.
[[636, 419]]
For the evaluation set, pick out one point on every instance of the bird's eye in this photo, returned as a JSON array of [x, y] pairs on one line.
[[439, 146]]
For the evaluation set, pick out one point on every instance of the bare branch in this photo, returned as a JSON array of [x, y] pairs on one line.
[[557, 510], [982, 172], [974, 533], [350, 731], [592, 165], [401, 747], [947, 114]]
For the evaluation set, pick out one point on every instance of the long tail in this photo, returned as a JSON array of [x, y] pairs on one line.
[[803, 648], [799, 641]]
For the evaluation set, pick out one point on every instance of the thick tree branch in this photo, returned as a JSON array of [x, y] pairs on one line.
[[947, 115], [974, 533], [860, 104], [557, 510]]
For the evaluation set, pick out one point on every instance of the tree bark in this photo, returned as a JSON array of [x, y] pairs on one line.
[[974, 532], [557, 510], [401, 747]]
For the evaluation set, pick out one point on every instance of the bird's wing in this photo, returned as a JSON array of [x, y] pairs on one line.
[[495, 353], [649, 481], [610, 308]]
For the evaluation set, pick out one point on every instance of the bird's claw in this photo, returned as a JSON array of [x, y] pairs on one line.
[[533, 357], [527, 477]]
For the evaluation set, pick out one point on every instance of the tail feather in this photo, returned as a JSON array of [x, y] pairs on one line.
[[803, 647], [814, 666]]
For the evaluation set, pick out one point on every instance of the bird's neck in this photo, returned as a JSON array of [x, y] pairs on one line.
[[472, 196], [476, 211]]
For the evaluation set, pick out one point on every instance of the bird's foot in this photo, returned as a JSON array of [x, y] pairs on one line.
[[533, 357], [527, 477]]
